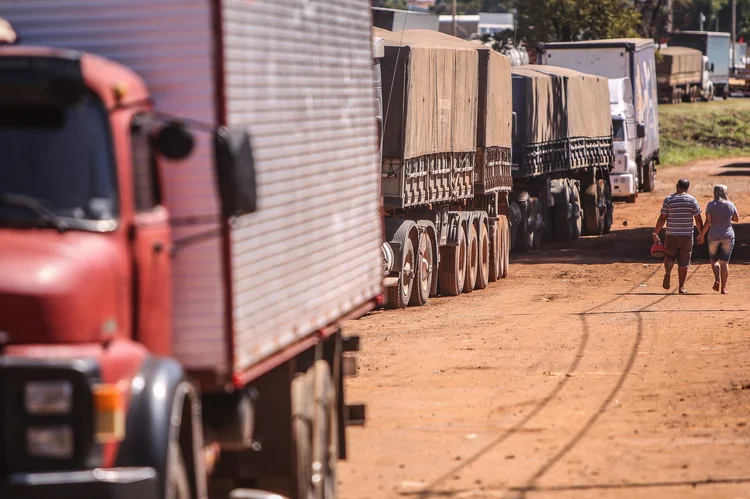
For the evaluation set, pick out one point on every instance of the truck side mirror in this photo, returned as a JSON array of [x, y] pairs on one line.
[[235, 172], [514, 126], [640, 130], [711, 67], [175, 141], [380, 133]]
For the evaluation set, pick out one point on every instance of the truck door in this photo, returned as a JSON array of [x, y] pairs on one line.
[[151, 241]]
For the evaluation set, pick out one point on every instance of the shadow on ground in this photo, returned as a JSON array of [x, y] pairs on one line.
[[621, 246]]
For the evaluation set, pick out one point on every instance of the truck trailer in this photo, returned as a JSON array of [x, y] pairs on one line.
[[683, 74], [445, 169], [562, 156], [189, 209], [632, 58], [716, 46]]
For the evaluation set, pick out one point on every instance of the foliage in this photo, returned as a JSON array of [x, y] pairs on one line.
[[717, 129], [573, 20]]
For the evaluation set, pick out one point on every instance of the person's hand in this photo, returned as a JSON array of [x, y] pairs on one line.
[[701, 239], [656, 238]]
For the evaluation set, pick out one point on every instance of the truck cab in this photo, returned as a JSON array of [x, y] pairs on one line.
[[624, 130], [707, 86]]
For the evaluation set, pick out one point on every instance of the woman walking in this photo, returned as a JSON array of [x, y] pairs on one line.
[[720, 213]]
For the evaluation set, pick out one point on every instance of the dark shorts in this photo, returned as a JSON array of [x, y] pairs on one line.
[[720, 250], [679, 248]]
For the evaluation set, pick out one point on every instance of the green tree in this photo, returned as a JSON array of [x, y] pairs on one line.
[[573, 20]]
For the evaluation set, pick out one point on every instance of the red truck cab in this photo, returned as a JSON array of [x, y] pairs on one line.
[[85, 262]]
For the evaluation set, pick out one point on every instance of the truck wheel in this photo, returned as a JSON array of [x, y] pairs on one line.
[[504, 247], [422, 285], [453, 267], [576, 220], [592, 214], [399, 295], [563, 224], [537, 222], [483, 251], [609, 206], [472, 264], [649, 177], [179, 484], [495, 258], [315, 432]]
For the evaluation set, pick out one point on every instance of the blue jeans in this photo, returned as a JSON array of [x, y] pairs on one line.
[[721, 249]]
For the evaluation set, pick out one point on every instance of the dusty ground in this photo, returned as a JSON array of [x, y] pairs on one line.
[[578, 376]]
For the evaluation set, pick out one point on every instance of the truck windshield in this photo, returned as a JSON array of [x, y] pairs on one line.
[[60, 157], [618, 130]]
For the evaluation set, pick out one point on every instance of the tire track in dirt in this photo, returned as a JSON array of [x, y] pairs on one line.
[[428, 491]]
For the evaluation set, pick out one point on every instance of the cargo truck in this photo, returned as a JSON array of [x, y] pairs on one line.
[[562, 156], [445, 163], [714, 45], [189, 208], [620, 58], [625, 140], [683, 74]]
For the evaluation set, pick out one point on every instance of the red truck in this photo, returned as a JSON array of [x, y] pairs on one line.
[[189, 208]]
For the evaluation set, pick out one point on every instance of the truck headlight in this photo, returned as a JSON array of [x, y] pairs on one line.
[[48, 397], [53, 442]]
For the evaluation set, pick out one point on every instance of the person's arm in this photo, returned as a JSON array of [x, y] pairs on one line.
[[736, 215], [705, 228], [659, 225], [697, 216]]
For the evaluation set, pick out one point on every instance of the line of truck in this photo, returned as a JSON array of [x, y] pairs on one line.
[[194, 198]]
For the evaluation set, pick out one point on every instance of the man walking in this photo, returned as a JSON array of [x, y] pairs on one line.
[[678, 211]]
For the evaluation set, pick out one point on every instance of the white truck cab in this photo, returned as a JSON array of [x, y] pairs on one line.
[[707, 86], [625, 172]]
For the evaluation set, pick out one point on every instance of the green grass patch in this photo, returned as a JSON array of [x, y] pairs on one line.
[[704, 130]]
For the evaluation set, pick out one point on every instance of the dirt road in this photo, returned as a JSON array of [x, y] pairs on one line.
[[576, 377]]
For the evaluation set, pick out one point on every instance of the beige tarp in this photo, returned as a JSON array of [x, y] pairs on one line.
[[442, 95], [542, 118], [679, 65], [494, 127], [587, 101]]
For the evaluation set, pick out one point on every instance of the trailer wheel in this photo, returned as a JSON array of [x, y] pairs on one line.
[[504, 246], [422, 285], [649, 177], [577, 216], [593, 216], [315, 432], [452, 267], [609, 206], [179, 483], [472, 264], [483, 251], [537, 223], [399, 295], [495, 257]]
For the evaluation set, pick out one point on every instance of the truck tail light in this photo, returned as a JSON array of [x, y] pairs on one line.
[[109, 409]]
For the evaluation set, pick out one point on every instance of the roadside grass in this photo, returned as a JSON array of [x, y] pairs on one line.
[[704, 130]]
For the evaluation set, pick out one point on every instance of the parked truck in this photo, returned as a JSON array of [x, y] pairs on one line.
[[683, 74], [562, 156], [445, 168], [624, 135], [621, 58], [189, 208], [714, 45]]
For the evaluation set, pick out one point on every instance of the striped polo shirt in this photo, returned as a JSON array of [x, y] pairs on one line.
[[680, 210]]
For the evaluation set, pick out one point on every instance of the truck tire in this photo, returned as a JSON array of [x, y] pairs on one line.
[[609, 206], [452, 268], [483, 251], [315, 432], [399, 295], [495, 258], [179, 483], [420, 291], [593, 215], [472, 255], [577, 217], [537, 223], [649, 175], [504, 247], [561, 213]]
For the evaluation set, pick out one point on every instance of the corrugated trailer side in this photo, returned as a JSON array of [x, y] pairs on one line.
[[311, 253]]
